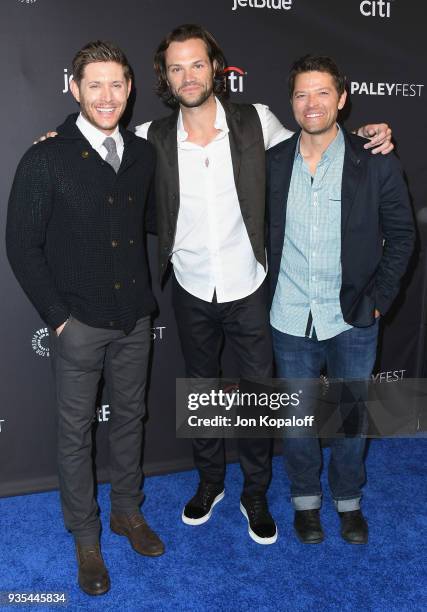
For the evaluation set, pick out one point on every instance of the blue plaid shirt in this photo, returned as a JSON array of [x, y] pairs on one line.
[[307, 295]]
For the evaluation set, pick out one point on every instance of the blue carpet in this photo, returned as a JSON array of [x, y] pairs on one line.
[[217, 567]]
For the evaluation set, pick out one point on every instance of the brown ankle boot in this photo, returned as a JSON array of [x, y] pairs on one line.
[[93, 575]]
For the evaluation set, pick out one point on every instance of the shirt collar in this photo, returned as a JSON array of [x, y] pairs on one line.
[[332, 149], [95, 136], [220, 122]]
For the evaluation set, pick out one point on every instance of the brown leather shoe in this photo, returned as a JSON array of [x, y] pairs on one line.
[[93, 575], [143, 539]]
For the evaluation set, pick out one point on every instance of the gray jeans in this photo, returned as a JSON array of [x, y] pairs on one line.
[[80, 355]]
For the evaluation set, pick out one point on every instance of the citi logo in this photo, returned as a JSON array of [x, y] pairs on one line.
[[235, 79], [286, 5], [67, 78], [375, 8]]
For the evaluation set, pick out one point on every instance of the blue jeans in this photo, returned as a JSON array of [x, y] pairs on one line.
[[350, 355]]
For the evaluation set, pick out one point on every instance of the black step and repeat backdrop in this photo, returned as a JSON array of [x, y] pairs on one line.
[[379, 44]]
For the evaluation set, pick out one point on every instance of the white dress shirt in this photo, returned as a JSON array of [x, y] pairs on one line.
[[212, 250], [96, 137]]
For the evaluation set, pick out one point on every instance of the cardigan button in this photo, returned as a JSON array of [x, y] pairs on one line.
[[110, 199], [117, 285], [114, 243]]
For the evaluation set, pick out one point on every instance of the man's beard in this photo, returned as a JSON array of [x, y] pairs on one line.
[[204, 95]]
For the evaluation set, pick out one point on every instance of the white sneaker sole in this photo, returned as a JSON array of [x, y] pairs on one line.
[[206, 517], [254, 536]]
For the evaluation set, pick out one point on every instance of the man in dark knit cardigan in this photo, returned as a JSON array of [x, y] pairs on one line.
[[75, 240]]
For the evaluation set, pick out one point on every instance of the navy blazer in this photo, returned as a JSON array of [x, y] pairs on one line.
[[377, 229]]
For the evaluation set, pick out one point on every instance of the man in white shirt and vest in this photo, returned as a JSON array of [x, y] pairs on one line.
[[210, 189]]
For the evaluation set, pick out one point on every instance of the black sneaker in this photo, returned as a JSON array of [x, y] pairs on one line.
[[261, 526], [199, 508]]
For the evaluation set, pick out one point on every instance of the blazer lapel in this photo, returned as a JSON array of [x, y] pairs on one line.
[[352, 172], [282, 163]]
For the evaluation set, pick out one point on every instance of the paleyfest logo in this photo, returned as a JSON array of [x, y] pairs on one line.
[[235, 78], [407, 90], [286, 5], [38, 342]]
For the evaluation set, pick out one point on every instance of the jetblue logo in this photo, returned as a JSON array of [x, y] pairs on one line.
[[67, 78], [375, 8], [235, 78], [286, 5]]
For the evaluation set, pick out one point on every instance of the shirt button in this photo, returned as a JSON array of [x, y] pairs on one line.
[[112, 323], [133, 281], [114, 243], [131, 241], [315, 228], [313, 301], [110, 199], [117, 285], [130, 198], [313, 278]]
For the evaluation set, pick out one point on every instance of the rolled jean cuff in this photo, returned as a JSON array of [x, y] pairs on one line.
[[307, 502], [347, 505]]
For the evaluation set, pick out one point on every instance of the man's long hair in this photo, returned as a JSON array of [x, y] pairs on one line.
[[180, 34]]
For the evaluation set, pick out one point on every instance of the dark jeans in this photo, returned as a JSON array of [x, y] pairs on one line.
[[245, 325], [79, 356], [350, 355]]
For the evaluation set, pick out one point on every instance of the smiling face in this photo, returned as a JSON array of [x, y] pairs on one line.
[[316, 102], [102, 93], [189, 72]]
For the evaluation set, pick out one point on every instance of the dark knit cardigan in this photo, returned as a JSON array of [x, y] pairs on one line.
[[75, 230]]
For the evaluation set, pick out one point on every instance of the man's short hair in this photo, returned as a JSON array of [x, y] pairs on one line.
[[316, 63], [99, 51], [181, 34]]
